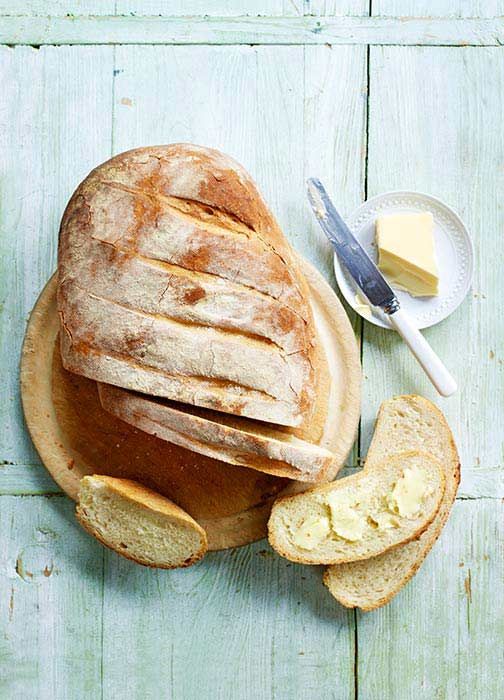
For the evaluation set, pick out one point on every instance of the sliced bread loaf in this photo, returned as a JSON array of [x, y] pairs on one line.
[[175, 280], [404, 422], [359, 516], [139, 523], [236, 440]]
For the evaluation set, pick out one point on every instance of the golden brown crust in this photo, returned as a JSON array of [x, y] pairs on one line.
[[197, 209], [238, 441]]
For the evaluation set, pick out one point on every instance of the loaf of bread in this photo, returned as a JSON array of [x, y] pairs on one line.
[[404, 422], [139, 523], [359, 516], [176, 281], [235, 440]]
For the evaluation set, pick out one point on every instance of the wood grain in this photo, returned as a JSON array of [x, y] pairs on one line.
[[47, 95], [435, 638], [249, 624], [51, 601], [438, 8]]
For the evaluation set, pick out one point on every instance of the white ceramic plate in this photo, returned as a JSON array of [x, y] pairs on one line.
[[454, 254]]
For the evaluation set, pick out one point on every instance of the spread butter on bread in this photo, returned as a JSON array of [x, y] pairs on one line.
[[359, 516], [404, 422]]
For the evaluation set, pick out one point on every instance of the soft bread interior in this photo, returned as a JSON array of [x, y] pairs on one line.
[[155, 534], [361, 501]]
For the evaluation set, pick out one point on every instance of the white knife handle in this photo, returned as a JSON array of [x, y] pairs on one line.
[[432, 365]]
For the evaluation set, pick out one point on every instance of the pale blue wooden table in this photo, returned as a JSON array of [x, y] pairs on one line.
[[368, 102]]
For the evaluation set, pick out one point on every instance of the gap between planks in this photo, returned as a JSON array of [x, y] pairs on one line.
[[100, 30]]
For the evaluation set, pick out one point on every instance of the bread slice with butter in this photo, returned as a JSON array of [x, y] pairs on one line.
[[403, 422], [138, 523], [359, 516]]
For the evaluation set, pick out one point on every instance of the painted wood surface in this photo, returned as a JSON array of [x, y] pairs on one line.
[[175, 8], [460, 160], [300, 30], [442, 104], [77, 621], [438, 8]]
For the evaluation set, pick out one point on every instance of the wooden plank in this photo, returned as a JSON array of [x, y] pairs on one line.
[[50, 602], [479, 482], [442, 648], [439, 637], [438, 8], [338, 8], [216, 8], [334, 148], [54, 127], [180, 8], [242, 623], [442, 143], [249, 102], [251, 30], [26, 479], [224, 8], [56, 7], [334, 138]]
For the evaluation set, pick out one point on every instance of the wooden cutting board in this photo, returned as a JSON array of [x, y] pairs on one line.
[[74, 436]]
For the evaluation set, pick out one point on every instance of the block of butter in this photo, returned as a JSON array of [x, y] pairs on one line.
[[406, 252]]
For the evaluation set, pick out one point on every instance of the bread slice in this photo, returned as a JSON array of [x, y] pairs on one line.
[[359, 516], [175, 280], [404, 422], [236, 440], [138, 523]]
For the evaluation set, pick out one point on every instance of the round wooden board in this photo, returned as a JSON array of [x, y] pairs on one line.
[[74, 436]]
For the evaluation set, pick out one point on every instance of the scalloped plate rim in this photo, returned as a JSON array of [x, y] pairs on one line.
[[348, 288]]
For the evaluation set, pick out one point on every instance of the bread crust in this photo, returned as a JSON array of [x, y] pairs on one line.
[[193, 216], [343, 483], [234, 440], [144, 499], [433, 531]]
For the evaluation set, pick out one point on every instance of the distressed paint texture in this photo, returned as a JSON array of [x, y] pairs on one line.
[[246, 30], [445, 106], [55, 122]]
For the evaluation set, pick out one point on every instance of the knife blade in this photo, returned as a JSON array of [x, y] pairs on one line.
[[353, 256], [376, 288]]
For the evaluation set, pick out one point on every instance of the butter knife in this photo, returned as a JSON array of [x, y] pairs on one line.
[[376, 288]]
